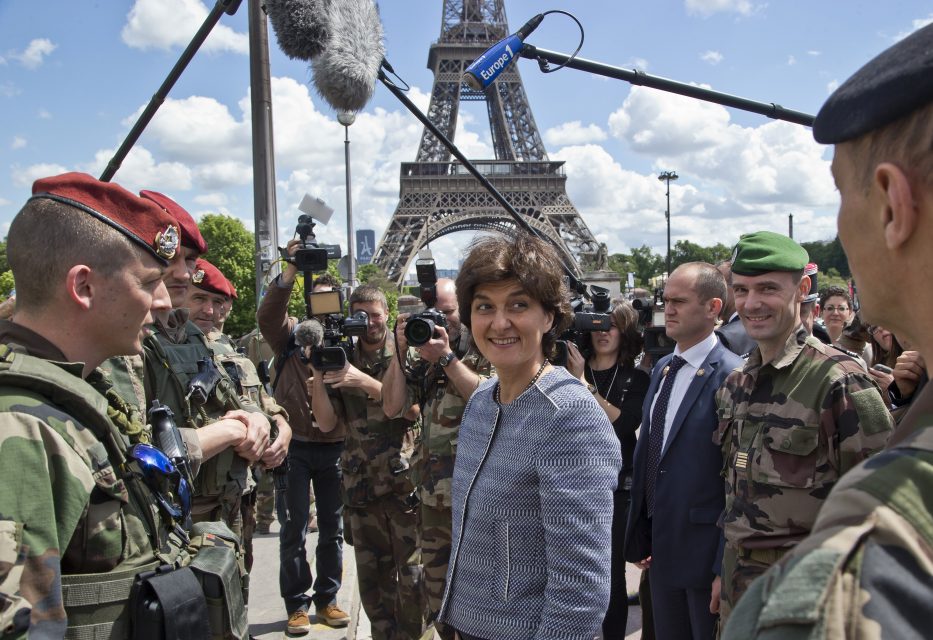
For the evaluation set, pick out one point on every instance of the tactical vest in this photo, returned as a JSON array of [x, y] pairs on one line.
[[240, 369], [223, 476]]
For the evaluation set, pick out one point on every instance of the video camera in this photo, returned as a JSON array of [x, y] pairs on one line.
[[312, 257], [587, 318], [651, 317], [330, 349], [421, 326]]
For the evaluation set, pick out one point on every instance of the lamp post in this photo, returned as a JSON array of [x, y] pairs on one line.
[[667, 176], [346, 118]]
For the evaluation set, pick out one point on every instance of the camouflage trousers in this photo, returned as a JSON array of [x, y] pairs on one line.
[[248, 516], [265, 500], [740, 567], [435, 555], [388, 566]]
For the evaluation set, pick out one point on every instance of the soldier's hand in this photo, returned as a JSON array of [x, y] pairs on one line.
[[714, 595], [278, 449], [400, 338], [907, 372], [437, 346], [257, 436], [348, 376]]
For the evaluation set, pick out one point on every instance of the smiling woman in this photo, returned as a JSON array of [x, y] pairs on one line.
[[537, 461]]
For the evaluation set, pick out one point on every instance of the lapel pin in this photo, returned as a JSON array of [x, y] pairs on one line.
[[666, 369], [701, 372]]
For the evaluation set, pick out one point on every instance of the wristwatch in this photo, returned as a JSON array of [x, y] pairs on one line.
[[592, 388], [447, 359]]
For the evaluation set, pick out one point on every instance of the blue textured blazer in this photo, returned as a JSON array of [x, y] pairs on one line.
[[682, 537], [532, 514]]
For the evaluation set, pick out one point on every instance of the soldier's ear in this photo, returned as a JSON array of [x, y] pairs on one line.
[[81, 286], [900, 212], [803, 289]]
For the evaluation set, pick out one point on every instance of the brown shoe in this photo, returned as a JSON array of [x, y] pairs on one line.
[[263, 529], [333, 616], [312, 524], [298, 623]]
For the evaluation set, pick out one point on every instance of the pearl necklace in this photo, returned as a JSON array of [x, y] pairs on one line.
[[530, 384]]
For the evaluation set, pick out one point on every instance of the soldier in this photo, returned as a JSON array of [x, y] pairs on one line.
[[792, 420], [378, 490], [440, 379], [864, 571], [88, 259], [209, 303], [231, 434]]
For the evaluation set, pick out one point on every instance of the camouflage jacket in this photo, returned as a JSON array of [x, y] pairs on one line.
[[243, 373], [864, 572], [788, 430], [441, 411], [65, 506], [376, 459]]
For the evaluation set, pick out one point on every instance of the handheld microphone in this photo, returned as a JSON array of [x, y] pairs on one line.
[[300, 26], [483, 71], [309, 333], [346, 71]]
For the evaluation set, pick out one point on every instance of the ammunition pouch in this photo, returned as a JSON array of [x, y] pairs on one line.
[[218, 565], [169, 603]]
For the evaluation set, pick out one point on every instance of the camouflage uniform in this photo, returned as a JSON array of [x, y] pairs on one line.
[[244, 374], [864, 571], [433, 463], [788, 430], [377, 496], [65, 506]]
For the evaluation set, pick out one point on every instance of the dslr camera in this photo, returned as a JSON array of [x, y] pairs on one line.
[[587, 318], [421, 326], [651, 317]]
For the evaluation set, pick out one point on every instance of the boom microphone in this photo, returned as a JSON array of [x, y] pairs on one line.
[[309, 333], [483, 71], [345, 72], [300, 26]]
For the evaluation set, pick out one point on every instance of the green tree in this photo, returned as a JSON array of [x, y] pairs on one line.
[[646, 264], [685, 251], [828, 255], [231, 248]]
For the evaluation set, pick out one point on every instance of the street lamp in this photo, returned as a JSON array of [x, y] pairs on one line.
[[346, 118], [667, 176]]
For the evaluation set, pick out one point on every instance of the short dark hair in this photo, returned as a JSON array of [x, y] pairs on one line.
[[533, 262], [48, 237], [833, 291], [368, 293], [709, 282], [906, 141], [327, 280]]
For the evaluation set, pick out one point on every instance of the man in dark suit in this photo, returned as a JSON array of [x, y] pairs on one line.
[[677, 492], [732, 332]]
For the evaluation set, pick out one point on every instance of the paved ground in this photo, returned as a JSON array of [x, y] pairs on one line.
[[267, 615]]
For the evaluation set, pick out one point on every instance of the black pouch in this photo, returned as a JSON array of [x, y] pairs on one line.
[[168, 603], [218, 566]]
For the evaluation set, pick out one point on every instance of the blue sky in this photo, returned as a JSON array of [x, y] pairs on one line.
[[74, 76]]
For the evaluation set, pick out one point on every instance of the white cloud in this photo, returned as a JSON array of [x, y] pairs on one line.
[[709, 7], [44, 114], [712, 57], [814, 53], [25, 177], [791, 60], [18, 142], [166, 24], [571, 133], [213, 200], [915, 24], [35, 53], [141, 170], [832, 86]]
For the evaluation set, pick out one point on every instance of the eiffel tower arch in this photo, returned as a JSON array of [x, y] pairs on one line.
[[438, 196]]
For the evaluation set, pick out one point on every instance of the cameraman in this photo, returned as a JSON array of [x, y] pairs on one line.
[[313, 460], [442, 379], [378, 491]]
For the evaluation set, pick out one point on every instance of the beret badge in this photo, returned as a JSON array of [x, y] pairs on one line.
[[198, 276], [166, 242]]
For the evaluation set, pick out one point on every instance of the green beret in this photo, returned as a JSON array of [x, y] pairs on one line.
[[892, 85], [765, 251]]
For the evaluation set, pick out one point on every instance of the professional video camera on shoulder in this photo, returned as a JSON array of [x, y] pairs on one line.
[[328, 332], [421, 326], [587, 318], [651, 317]]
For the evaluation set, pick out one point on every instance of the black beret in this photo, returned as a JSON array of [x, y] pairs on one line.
[[895, 83]]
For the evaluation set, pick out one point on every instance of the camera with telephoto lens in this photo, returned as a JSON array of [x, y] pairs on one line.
[[420, 327], [587, 318], [651, 317], [311, 257]]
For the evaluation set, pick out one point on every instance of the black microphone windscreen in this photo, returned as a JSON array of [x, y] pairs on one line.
[[300, 26], [346, 71], [309, 333]]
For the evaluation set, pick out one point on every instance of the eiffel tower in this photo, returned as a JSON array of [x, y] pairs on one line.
[[438, 196]]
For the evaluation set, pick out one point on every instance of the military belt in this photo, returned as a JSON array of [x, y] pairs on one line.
[[763, 556]]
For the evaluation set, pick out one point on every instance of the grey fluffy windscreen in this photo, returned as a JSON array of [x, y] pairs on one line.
[[300, 26], [345, 72]]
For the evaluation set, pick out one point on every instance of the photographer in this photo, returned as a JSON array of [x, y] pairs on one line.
[[444, 372], [313, 460], [378, 491], [619, 388]]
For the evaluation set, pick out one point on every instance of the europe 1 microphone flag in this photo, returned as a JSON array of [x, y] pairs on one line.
[[483, 71]]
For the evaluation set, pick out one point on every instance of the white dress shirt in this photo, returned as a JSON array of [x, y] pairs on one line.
[[694, 357]]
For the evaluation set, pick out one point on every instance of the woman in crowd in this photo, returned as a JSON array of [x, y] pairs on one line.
[[619, 388], [537, 461], [835, 310]]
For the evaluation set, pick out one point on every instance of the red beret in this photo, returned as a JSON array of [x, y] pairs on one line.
[[140, 220], [208, 277], [190, 234]]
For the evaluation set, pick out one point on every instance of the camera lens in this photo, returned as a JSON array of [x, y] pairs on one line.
[[418, 331]]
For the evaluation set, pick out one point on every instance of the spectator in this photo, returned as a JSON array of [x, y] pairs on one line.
[[536, 465], [835, 310]]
